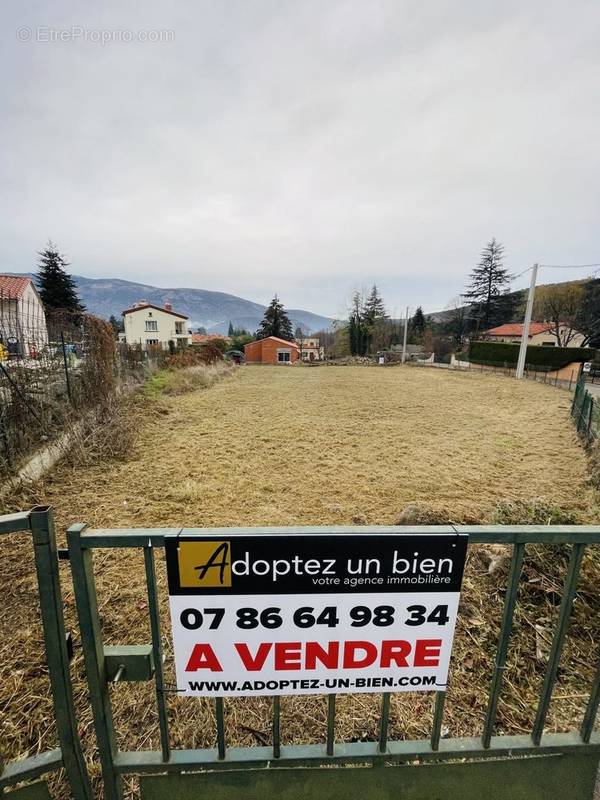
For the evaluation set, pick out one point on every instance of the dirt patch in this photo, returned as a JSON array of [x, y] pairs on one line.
[[286, 446]]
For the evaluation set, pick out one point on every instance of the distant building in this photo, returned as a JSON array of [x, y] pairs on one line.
[[155, 326], [207, 338], [271, 350], [310, 349], [23, 330], [540, 333]]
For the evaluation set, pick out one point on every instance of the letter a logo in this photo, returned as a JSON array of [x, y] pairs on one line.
[[204, 564]]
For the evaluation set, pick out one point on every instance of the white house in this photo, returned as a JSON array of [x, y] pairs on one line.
[[310, 349], [23, 330], [155, 326]]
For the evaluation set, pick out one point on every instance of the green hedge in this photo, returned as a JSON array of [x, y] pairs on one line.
[[539, 357]]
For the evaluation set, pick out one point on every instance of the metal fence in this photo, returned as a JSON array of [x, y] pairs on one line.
[[39, 525], [257, 771], [585, 412], [532, 766], [52, 371]]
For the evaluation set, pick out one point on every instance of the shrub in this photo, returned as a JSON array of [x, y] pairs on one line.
[[537, 511]]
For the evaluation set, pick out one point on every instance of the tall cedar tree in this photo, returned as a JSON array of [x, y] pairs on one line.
[[487, 292], [357, 329], [417, 323], [374, 318], [275, 322], [56, 286]]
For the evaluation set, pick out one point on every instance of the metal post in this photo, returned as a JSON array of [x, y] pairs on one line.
[[566, 605], [330, 724], [510, 602], [57, 658], [64, 352], [405, 336], [163, 720], [525, 337], [384, 721], [220, 714], [276, 727], [93, 651], [438, 716]]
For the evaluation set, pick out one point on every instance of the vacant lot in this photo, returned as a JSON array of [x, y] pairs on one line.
[[328, 445], [282, 446]]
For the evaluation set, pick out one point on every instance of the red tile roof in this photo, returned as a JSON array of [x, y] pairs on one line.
[[516, 329], [203, 338], [281, 341], [12, 287]]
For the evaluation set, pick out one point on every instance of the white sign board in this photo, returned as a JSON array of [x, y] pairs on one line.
[[587, 366], [284, 614]]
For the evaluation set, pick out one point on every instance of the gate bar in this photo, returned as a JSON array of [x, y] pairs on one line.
[[438, 715], [93, 651], [587, 726], [384, 721], [276, 727], [566, 605], [398, 751], [514, 576], [478, 534], [330, 724], [161, 700], [57, 658], [219, 709]]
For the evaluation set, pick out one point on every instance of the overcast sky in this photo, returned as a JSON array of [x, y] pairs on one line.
[[299, 147]]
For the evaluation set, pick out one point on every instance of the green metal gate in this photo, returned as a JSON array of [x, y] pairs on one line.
[[39, 524], [532, 766]]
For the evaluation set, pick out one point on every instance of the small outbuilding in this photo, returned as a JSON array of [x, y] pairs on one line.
[[271, 350]]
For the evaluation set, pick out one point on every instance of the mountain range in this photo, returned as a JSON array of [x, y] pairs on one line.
[[211, 310]]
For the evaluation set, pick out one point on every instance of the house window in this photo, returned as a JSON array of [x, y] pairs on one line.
[[179, 327], [151, 325], [152, 342], [548, 344], [283, 356]]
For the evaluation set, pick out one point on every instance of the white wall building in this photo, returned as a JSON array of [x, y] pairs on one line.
[[23, 330], [155, 326], [310, 349]]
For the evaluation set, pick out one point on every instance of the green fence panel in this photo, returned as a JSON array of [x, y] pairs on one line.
[[538, 765], [537, 778], [39, 522]]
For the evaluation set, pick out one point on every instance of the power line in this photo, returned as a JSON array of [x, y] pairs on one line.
[[569, 266]]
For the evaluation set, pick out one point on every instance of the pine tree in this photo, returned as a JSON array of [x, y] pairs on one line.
[[374, 307], [275, 322], [116, 324], [56, 286], [417, 323], [374, 322], [230, 330], [357, 333], [487, 291]]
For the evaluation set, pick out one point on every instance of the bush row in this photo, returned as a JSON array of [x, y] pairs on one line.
[[542, 358]]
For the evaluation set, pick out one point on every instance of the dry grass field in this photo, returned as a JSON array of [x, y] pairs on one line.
[[345, 445]]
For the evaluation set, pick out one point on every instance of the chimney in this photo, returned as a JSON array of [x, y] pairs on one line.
[[168, 307]]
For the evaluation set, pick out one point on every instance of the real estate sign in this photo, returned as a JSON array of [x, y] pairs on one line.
[[276, 614]]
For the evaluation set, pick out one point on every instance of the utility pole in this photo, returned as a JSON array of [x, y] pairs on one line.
[[405, 336], [526, 321]]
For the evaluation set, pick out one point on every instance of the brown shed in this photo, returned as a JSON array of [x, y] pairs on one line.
[[271, 350]]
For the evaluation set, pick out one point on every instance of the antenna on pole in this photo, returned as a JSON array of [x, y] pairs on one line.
[[526, 322]]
